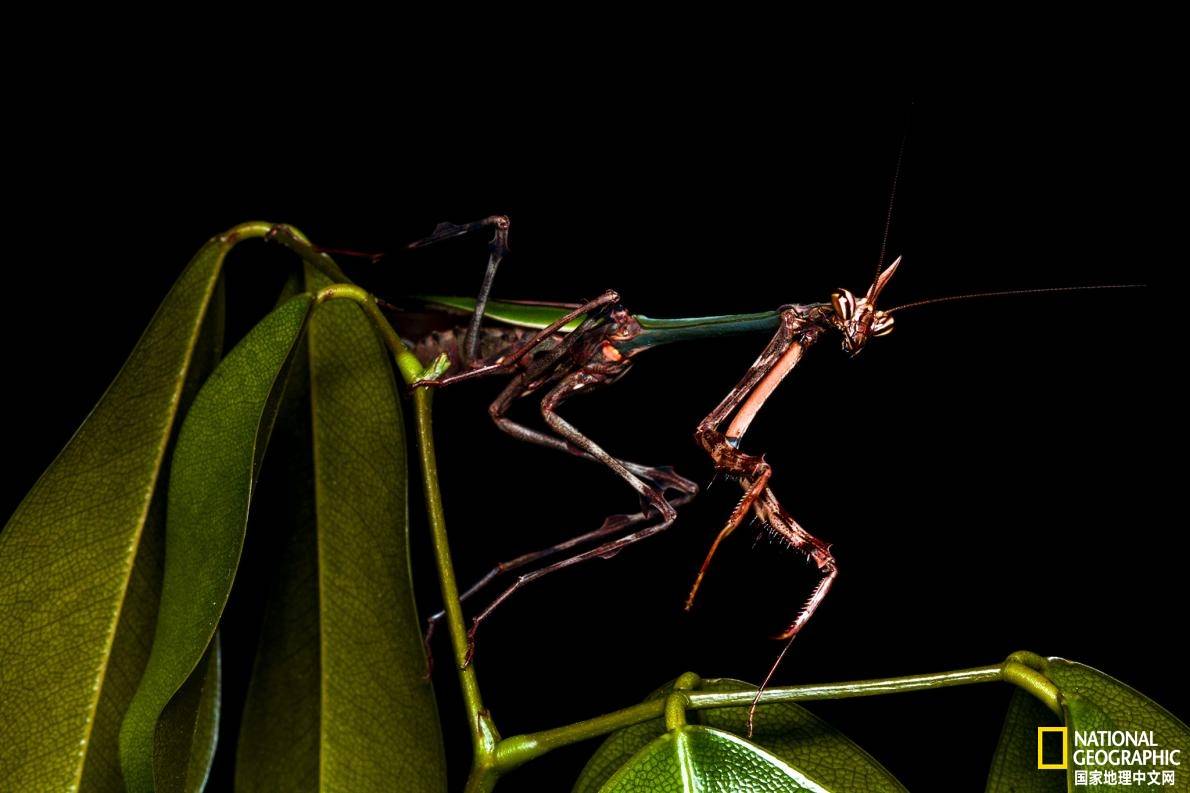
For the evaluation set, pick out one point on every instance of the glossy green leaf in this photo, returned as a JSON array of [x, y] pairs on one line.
[[338, 700], [695, 759], [184, 743], [785, 729], [1014, 767], [212, 476], [80, 558]]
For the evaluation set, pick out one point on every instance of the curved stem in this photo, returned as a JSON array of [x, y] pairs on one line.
[[483, 732], [518, 749], [857, 688], [1035, 683], [407, 363], [297, 242]]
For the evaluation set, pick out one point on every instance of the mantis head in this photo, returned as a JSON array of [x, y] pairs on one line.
[[859, 319]]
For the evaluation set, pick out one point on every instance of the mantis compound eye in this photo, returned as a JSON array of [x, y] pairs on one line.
[[882, 324], [844, 303]]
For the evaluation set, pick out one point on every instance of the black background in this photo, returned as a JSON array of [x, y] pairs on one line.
[[990, 475]]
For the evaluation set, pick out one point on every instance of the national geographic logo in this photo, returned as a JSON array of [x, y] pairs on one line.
[[1108, 757]]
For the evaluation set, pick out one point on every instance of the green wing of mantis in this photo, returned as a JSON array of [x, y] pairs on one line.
[[541, 314], [521, 315]]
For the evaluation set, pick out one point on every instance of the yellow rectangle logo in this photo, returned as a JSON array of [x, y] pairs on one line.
[[1041, 764]]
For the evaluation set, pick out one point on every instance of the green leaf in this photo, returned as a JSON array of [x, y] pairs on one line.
[[212, 476], [694, 759], [1092, 700], [184, 744], [80, 558], [338, 700], [1014, 766], [785, 729]]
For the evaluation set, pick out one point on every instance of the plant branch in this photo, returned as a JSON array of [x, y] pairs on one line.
[[483, 732], [518, 749]]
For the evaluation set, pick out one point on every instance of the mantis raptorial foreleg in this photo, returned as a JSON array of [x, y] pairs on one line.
[[733, 523], [776, 361], [741, 406]]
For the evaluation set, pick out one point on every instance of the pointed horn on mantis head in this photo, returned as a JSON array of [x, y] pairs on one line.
[[882, 279]]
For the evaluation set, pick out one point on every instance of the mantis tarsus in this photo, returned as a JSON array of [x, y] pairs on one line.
[[561, 350]]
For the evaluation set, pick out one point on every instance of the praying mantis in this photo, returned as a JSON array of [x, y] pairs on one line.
[[560, 350]]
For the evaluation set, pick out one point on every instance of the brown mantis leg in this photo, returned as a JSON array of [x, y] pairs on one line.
[[815, 549], [663, 478], [652, 496], [497, 247], [777, 360], [774, 363], [733, 522], [818, 552], [611, 525]]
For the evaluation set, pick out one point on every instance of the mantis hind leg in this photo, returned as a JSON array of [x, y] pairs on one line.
[[674, 489], [684, 490], [497, 249], [651, 484]]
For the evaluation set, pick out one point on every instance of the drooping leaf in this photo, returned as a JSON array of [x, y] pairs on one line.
[[785, 729], [134, 633], [696, 759], [338, 697], [1093, 701], [1014, 767], [80, 559], [212, 477], [280, 731], [184, 743]]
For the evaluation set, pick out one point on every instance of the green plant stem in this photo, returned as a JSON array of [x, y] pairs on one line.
[[518, 749], [1036, 683], [483, 732]]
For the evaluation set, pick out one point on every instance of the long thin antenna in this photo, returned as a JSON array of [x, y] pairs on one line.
[[892, 197], [1009, 292]]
